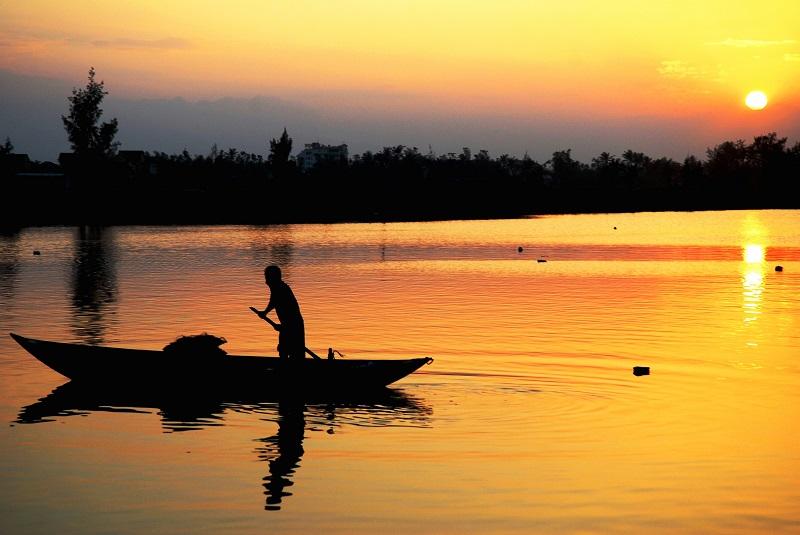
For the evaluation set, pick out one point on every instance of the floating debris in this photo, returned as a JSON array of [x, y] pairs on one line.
[[36, 253], [541, 260], [519, 249], [778, 268], [641, 370]]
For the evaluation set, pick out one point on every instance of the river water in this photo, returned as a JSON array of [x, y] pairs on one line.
[[529, 420]]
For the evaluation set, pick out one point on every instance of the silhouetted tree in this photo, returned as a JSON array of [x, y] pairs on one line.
[[280, 150], [608, 171], [85, 136], [768, 159], [691, 175], [566, 171], [636, 165], [767, 149], [7, 147], [727, 166]]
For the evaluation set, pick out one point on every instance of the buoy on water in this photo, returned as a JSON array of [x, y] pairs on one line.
[[519, 249], [36, 253], [641, 370], [778, 268]]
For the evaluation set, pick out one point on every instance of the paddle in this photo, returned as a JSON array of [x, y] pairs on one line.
[[277, 327]]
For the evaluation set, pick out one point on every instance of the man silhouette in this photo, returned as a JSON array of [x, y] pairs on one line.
[[291, 331]]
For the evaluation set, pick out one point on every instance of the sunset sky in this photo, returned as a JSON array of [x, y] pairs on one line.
[[667, 78]]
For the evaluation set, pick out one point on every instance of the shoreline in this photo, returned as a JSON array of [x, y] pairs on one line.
[[332, 219]]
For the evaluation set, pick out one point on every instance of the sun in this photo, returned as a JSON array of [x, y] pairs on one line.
[[756, 100]]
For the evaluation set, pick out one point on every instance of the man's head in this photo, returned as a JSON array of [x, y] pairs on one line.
[[272, 274]]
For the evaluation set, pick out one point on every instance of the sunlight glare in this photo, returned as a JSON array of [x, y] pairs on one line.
[[753, 253], [756, 100]]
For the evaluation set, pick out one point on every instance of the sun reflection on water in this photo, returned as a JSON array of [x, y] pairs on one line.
[[753, 253], [752, 286], [754, 236]]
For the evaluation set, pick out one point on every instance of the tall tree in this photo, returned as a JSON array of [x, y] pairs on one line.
[[280, 150], [85, 136], [7, 147]]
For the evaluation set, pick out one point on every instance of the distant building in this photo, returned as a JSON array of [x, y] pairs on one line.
[[316, 153]]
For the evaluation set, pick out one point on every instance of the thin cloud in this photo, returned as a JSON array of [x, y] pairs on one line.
[[680, 69], [169, 43], [752, 43], [46, 37], [677, 69]]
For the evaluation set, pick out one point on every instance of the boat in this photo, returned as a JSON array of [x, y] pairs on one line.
[[144, 368]]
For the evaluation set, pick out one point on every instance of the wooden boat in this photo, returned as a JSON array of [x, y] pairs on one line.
[[142, 368]]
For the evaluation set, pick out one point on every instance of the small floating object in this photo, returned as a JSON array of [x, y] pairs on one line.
[[541, 260], [641, 370], [36, 253], [615, 228], [519, 249], [778, 268]]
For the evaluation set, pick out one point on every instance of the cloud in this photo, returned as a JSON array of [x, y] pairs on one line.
[[676, 68], [166, 43], [169, 43], [752, 43]]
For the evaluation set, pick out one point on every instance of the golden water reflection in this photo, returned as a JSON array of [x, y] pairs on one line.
[[754, 253], [752, 289], [529, 421]]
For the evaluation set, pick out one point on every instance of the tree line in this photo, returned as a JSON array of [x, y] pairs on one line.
[[399, 182]]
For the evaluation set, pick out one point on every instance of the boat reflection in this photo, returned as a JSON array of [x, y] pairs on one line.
[[283, 451]]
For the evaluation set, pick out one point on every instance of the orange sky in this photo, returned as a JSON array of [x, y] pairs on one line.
[[573, 58]]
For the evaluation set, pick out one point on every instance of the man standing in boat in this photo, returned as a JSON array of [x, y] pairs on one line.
[[291, 331]]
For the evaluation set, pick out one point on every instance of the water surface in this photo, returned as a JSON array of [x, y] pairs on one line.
[[528, 421]]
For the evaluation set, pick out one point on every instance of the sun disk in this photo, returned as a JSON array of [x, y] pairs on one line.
[[756, 100]]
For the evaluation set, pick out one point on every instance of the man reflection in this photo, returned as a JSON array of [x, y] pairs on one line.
[[94, 282], [287, 443]]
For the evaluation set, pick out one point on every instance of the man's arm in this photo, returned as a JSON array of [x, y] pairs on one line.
[[270, 305], [263, 316]]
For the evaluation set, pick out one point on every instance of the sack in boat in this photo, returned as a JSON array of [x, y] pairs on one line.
[[197, 345]]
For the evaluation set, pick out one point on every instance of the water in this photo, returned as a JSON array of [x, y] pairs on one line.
[[528, 421]]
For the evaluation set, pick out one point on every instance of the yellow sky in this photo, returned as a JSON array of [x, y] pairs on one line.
[[606, 58]]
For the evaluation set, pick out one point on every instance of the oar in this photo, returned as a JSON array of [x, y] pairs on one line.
[[276, 326]]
